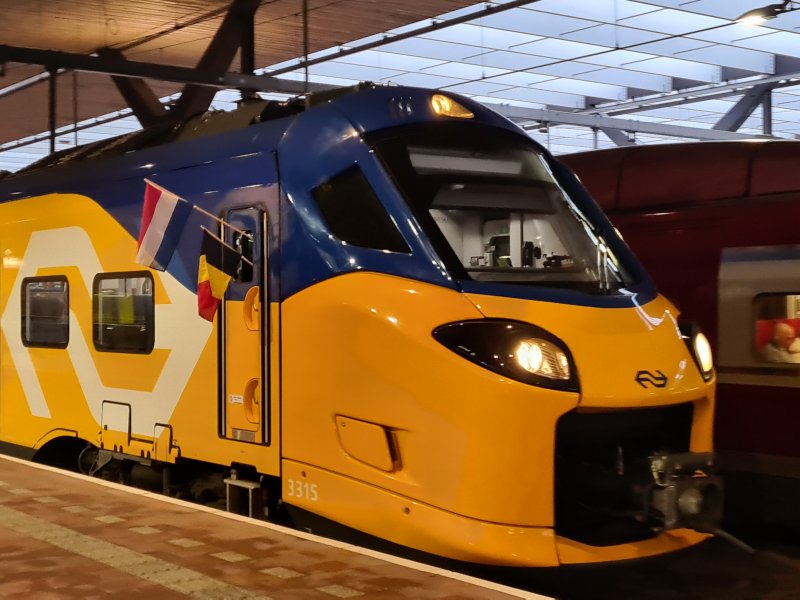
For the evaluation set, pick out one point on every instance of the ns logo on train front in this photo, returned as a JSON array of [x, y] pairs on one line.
[[441, 340]]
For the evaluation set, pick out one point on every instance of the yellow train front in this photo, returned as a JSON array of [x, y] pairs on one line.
[[474, 365], [441, 340]]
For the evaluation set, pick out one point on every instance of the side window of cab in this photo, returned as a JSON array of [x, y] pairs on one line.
[[355, 215]]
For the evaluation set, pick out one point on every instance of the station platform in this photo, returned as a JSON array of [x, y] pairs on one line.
[[65, 536]]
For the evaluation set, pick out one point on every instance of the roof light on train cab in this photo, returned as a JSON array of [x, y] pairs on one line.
[[444, 106]]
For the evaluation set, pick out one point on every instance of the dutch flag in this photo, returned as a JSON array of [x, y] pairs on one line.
[[163, 217]]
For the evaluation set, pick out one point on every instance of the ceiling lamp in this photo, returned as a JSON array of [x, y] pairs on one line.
[[758, 16]]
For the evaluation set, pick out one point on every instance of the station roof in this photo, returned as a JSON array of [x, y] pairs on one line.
[[568, 69]]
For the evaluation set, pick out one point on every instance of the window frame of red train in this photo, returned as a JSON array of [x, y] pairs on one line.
[[686, 492]]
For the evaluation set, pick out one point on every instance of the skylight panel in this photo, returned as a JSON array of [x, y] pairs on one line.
[[494, 101], [584, 88], [478, 87], [611, 36], [521, 79], [543, 96], [464, 71], [623, 77], [481, 37], [671, 46], [343, 69], [531, 21], [778, 42], [617, 58], [300, 76], [508, 60], [423, 80], [676, 68], [390, 60], [673, 21], [430, 49], [555, 48], [599, 10], [727, 56]]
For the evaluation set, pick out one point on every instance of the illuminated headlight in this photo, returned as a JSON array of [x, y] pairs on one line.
[[703, 351], [444, 106], [699, 346], [519, 351], [540, 357]]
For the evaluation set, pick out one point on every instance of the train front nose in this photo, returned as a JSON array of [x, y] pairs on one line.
[[632, 459]]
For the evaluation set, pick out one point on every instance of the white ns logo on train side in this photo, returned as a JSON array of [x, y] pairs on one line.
[[178, 329]]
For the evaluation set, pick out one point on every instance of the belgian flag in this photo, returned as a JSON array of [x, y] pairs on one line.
[[218, 265]]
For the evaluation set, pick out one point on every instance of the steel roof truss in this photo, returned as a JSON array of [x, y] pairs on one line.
[[533, 117], [741, 111]]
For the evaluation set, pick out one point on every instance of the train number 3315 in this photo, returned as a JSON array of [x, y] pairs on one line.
[[303, 490]]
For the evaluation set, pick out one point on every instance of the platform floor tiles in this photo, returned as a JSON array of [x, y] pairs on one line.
[[65, 536]]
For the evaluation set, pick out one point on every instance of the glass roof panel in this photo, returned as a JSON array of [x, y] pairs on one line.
[[779, 42], [675, 67], [623, 77], [390, 60], [481, 37], [543, 96], [556, 48], [508, 60], [760, 62], [584, 88], [612, 36], [530, 21], [430, 49], [341, 68], [464, 71], [673, 21]]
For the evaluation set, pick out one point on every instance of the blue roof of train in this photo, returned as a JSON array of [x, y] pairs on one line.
[[368, 109]]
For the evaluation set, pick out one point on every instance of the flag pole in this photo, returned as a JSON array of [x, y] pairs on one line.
[[201, 210], [224, 243]]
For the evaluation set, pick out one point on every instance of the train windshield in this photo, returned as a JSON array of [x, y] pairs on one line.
[[496, 213]]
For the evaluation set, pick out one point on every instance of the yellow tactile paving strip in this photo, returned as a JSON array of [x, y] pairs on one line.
[[64, 536]]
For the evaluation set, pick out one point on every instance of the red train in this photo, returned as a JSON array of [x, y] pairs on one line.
[[717, 224]]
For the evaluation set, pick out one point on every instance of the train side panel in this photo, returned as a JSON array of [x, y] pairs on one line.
[[161, 403]]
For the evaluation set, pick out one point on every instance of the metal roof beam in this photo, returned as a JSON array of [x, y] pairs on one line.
[[219, 54], [130, 68], [538, 115], [727, 74], [619, 137], [695, 94], [141, 98], [741, 111], [786, 64]]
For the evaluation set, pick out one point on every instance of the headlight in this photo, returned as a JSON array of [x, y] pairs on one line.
[[703, 351], [542, 358], [517, 350], [698, 346]]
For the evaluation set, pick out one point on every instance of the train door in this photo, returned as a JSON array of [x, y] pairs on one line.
[[245, 377]]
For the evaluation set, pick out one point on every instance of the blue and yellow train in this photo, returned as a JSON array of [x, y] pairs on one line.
[[441, 340]]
